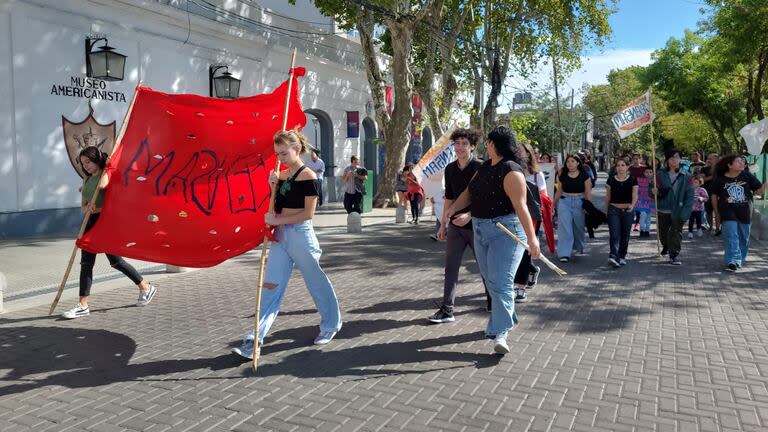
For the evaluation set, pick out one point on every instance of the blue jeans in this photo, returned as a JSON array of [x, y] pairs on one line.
[[619, 228], [736, 238], [319, 191], [498, 257], [570, 225], [645, 221], [297, 244]]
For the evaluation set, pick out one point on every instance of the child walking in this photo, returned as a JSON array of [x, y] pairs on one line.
[[645, 205], [700, 198]]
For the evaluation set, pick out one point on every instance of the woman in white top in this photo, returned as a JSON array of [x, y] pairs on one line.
[[527, 274]]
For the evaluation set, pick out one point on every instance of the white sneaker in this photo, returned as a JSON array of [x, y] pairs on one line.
[[500, 344], [690, 235], [146, 296], [77, 312], [324, 338]]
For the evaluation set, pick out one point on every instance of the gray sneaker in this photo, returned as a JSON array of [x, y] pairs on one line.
[[146, 296], [324, 338]]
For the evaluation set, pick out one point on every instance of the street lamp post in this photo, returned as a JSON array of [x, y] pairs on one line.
[[106, 63]]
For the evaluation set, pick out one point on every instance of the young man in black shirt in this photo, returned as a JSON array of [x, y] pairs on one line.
[[458, 230]]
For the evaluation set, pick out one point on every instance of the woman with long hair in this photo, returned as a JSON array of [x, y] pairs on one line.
[[620, 198], [93, 161], [674, 206], [497, 194], [297, 244], [573, 187], [733, 190], [415, 194]]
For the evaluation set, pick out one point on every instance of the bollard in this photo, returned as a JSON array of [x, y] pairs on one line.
[[400, 215], [175, 269], [354, 223]]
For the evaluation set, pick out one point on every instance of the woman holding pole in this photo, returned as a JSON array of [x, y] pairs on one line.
[[497, 194], [297, 244], [93, 161]]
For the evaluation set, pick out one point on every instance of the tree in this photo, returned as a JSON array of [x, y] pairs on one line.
[[527, 32]]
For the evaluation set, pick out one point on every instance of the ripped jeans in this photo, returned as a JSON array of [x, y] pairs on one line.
[[297, 244]]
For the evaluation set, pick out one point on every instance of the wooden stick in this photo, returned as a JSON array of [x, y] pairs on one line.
[[543, 258], [655, 182], [93, 199], [263, 261]]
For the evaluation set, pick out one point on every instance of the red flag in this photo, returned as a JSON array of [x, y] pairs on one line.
[[188, 183]]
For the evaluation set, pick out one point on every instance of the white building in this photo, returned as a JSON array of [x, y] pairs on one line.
[[169, 45]]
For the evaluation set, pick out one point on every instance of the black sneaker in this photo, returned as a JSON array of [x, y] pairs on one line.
[[718, 232], [675, 261], [664, 251], [443, 315], [732, 267], [520, 296], [533, 277], [564, 259]]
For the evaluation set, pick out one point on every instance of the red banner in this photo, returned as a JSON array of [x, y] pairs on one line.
[[188, 183]]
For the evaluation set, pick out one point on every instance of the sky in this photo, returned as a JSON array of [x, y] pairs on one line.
[[639, 27]]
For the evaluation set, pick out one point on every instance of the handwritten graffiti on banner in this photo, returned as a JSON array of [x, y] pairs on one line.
[[431, 167], [189, 180], [633, 116]]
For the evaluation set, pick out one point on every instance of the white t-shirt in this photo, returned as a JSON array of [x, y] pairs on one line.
[[538, 178]]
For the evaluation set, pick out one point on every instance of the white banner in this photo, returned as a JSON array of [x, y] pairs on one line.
[[755, 134], [431, 167], [633, 116], [548, 169]]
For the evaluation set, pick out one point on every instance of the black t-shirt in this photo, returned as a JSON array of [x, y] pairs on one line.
[[489, 200], [457, 179], [573, 185], [621, 191], [706, 172], [734, 196]]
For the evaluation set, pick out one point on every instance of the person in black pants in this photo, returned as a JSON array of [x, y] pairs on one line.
[[93, 161], [620, 199], [353, 179], [458, 230]]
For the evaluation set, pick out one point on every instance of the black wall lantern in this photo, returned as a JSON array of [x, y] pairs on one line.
[[105, 64], [223, 86]]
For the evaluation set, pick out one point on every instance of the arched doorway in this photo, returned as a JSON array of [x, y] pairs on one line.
[[369, 150], [319, 130]]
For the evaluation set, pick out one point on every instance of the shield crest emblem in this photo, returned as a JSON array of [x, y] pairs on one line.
[[89, 132]]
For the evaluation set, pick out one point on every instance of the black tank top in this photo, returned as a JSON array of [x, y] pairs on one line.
[[291, 192], [489, 200]]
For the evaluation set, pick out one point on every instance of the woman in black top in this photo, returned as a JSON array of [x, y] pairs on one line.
[[497, 193], [733, 190], [620, 199], [573, 187], [297, 244]]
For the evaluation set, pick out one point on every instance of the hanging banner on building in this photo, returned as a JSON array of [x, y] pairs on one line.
[[188, 183], [89, 132], [431, 167], [353, 124], [755, 134], [633, 116]]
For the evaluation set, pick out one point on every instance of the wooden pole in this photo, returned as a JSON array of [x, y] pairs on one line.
[[264, 244], [93, 199], [655, 181]]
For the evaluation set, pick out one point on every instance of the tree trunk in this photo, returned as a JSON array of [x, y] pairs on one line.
[[758, 89], [497, 81], [397, 132]]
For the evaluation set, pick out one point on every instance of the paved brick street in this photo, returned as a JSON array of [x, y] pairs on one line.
[[649, 347]]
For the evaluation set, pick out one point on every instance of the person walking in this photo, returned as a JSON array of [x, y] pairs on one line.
[[645, 205], [733, 191], [318, 166], [401, 187], [297, 244], [708, 172], [573, 187], [620, 200], [457, 230], [93, 161], [497, 194], [353, 179], [675, 194], [700, 197], [527, 274], [415, 194]]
